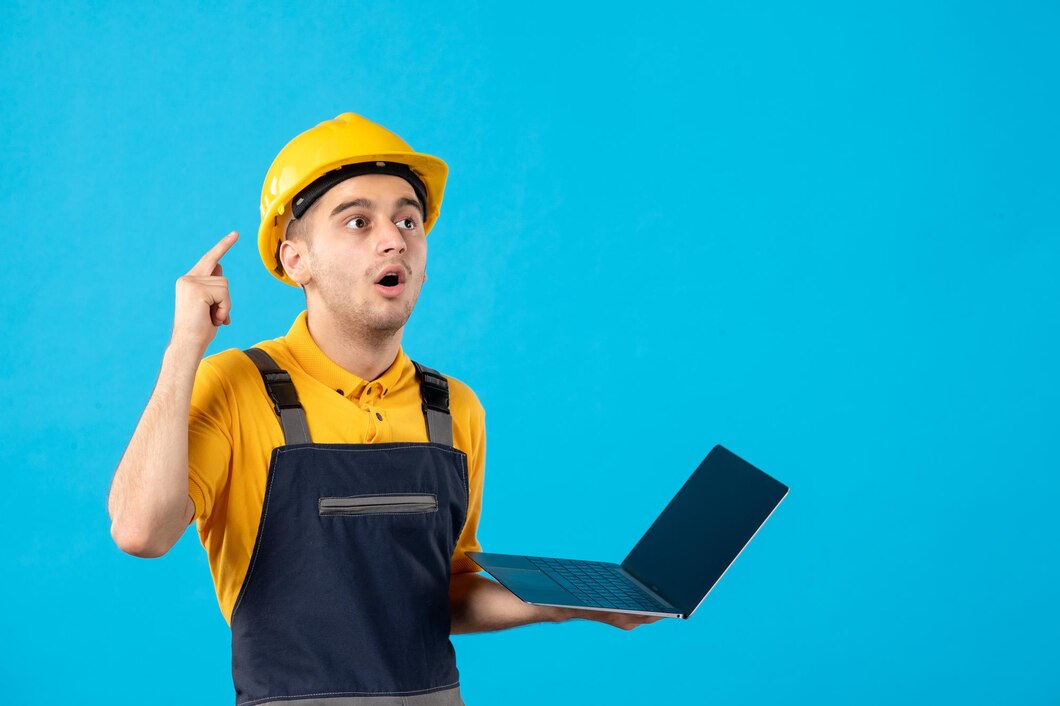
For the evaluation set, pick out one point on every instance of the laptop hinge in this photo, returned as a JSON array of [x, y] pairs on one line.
[[648, 589]]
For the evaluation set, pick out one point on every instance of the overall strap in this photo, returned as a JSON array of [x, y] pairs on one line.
[[434, 389], [284, 397]]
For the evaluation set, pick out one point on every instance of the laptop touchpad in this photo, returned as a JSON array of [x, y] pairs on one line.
[[532, 586]]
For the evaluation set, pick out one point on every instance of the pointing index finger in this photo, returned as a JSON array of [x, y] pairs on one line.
[[205, 266]]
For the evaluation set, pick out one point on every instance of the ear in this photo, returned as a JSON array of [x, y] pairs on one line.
[[294, 262]]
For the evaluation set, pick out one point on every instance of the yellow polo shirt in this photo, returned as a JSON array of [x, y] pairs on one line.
[[232, 430]]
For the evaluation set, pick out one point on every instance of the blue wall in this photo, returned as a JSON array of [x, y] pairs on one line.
[[826, 236]]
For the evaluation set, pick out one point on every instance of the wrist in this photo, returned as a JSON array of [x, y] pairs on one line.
[[184, 351]]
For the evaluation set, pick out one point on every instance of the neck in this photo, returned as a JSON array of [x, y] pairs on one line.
[[365, 354]]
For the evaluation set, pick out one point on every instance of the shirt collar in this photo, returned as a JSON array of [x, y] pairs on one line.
[[315, 362]]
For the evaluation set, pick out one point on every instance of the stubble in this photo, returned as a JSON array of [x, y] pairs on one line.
[[361, 315]]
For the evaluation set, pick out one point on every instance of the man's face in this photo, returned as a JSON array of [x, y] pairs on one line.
[[367, 253]]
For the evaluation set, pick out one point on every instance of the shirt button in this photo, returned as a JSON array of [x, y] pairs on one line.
[[379, 416], [339, 391]]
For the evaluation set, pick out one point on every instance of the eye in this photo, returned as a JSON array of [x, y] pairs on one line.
[[407, 223], [357, 222]]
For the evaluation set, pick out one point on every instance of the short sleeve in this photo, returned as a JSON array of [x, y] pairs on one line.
[[209, 438], [468, 541]]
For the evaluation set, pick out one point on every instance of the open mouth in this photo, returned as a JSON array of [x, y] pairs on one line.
[[391, 281]]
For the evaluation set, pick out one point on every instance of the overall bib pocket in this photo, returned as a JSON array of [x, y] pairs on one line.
[[388, 504]]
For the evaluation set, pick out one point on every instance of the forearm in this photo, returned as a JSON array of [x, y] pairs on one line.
[[478, 604], [148, 503]]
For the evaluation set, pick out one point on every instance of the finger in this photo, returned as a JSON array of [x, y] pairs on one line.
[[223, 309], [213, 256]]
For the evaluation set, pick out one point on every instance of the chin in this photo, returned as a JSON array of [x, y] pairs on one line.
[[392, 322]]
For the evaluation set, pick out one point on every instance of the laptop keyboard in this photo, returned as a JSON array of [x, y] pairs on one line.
[[598, 584]]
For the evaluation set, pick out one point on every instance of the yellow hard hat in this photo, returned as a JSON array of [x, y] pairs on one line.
[[344, 140]]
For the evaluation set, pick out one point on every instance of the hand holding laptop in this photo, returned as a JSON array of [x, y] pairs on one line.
[[625, 621]]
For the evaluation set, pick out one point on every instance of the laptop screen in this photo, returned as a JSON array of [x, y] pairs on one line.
[[704, 528]]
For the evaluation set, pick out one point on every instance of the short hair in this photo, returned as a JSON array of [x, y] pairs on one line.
[[298, 229]]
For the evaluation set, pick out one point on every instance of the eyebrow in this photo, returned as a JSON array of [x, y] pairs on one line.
[[367, 203]]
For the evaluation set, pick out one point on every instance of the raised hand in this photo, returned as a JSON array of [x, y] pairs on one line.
[[203, 301]]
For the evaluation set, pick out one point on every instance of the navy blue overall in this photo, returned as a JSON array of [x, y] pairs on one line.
[[346, 598]]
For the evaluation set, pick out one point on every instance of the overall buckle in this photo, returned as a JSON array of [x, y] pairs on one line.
[[281, 390]]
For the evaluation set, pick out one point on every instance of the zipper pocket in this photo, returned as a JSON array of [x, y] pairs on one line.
[[394, 503]]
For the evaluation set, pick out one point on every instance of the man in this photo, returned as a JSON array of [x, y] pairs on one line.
[[336, 483]]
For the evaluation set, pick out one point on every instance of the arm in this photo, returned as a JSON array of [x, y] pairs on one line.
[[478, 604], [149, 504]]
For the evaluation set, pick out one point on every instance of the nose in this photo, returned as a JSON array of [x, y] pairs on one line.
[[391, 240]]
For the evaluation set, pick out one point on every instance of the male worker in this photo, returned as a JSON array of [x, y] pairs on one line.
[[337, 484]]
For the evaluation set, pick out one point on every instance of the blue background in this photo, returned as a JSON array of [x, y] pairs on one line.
[[824, 235]]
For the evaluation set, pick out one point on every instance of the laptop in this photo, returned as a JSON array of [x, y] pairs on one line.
[[675, 564]]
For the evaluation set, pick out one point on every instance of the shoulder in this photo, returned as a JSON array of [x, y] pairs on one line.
[[229, 365], [233, 368], [229, 386], [463, 402], [469, 420], [462, 397]]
